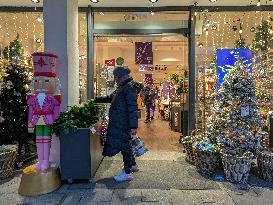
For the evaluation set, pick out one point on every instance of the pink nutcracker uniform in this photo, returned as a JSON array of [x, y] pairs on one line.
[[44, 105]]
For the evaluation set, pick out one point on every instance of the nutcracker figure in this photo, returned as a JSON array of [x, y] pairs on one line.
[[44, 105]]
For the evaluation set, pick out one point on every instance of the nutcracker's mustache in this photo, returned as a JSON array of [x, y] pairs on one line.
[[41, 90]]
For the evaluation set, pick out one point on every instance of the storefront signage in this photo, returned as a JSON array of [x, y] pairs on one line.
[[160, 67], [110, 62], [152, 68], [145, 68], [226, 59]]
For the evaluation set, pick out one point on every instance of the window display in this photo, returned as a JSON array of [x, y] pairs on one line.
[[229, 30]]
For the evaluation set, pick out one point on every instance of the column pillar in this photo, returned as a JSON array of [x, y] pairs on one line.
[[61, 38], [192, 73]]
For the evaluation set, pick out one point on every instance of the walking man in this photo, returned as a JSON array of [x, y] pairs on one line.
[[123, 122]]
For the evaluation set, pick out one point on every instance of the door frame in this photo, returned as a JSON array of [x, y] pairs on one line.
[[189, 32]]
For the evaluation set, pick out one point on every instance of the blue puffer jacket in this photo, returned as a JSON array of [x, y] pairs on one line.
[[123, 116]]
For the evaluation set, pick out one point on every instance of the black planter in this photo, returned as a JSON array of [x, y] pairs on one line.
[[81, 154]]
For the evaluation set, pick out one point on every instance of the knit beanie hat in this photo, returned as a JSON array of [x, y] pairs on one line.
[[119, 72]]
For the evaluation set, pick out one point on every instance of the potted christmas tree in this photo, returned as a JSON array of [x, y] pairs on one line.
[[238, 123], [80, 142]]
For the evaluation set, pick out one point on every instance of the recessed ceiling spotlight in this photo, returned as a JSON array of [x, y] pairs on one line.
[[252, 29], [214, 27], [153, 1], [95, 1], [212, 0], [38, 40], [200, 45], [35, 1], [39, 19]]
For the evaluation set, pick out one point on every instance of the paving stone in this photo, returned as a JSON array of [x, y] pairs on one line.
[[185, 197], [97, 195], [10, 186], [126, 196], [72, 199], [63, 188], [250, 199], [81, 186], [219, 197], [154, 195], [94, 203], [47, 199], [154, 174]]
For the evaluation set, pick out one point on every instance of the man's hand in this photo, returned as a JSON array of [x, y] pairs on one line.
[[134, 133]]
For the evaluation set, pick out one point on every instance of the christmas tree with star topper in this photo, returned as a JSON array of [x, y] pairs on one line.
[[13, 105], [237, 122]]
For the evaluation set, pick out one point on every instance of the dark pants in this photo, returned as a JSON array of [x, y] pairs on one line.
[[128, 159]]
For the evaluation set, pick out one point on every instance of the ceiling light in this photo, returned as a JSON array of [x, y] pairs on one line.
[[35, 1], [101, 13], [153, 1], [95, 1], [252, 29], [39, 19], [212, 0], [38, 40], [152, 13], [214, 27], [259, 3]]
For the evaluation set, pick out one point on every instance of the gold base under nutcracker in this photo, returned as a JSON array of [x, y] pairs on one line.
[[37, 183]]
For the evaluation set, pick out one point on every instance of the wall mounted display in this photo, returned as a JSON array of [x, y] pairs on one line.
[[143, 53], [226, 59]]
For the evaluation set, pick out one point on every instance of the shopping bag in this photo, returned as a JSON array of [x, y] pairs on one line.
[[138, 147]]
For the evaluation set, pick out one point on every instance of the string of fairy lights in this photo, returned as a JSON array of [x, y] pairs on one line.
[[220, 31], [30, 27]]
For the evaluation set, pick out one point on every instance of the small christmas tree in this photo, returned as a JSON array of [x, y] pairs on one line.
[[14, 51], [13, 105], [263, 37], [240, 43], [237, 119]]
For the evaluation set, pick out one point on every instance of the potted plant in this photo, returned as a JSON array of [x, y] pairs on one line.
[[8, 154], [188, 144], [80, 143], [265, 155], [207, 156]]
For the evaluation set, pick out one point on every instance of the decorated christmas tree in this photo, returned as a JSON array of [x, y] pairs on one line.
[[14, 51], [263, 68], [240, 43], [13, 105], [237, 122]]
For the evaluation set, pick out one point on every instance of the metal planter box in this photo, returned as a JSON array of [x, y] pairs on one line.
[[80, 154]]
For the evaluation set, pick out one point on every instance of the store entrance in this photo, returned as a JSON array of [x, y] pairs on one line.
[[160, 64]]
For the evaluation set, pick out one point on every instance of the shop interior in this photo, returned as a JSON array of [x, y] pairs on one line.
[[166, 69]]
